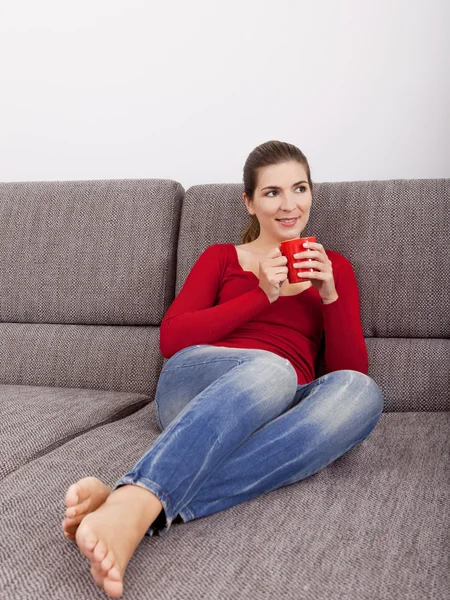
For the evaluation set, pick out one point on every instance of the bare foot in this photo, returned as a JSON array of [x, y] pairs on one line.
[[82, 498], [109, 536]]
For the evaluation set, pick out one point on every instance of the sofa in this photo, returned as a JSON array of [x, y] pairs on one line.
[[88, 270]]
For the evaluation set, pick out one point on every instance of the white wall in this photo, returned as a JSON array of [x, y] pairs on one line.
[[184, 90]]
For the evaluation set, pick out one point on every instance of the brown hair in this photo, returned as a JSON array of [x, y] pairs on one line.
[[269, 153]]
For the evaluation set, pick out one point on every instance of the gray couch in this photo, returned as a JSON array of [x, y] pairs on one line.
[[87, 271]]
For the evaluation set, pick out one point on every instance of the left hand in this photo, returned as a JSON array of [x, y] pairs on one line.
[[322, 279]]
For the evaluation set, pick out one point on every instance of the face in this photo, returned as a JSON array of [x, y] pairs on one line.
[[282, 192]]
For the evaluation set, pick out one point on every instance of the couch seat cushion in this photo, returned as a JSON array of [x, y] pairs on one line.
[[372, 525], [35, 420]]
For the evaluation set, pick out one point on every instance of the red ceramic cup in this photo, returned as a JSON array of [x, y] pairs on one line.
[[290, 247]]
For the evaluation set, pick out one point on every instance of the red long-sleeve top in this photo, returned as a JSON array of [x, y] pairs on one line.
[[222, 305]]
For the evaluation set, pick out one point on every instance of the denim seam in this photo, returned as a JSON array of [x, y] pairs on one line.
[[203, 362], [187, 510], [158, 416], [238, 361]]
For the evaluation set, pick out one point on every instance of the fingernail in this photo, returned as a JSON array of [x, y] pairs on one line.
[[305, 244]]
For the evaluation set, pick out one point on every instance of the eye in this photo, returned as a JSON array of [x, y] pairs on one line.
[[300, 187]]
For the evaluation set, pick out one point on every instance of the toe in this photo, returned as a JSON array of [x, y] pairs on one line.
[[69, 521], [100, 551], [114, 574], [72, 511], [85, 495], [66, 524], [71, 495], [98, 576], [82, 507], [112, 584], [107, 562], [71, 525], [86, 540]]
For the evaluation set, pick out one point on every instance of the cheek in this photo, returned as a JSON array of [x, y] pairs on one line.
[[270, 211], [305, 206]]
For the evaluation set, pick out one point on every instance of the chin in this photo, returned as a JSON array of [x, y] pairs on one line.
[[292, 234]]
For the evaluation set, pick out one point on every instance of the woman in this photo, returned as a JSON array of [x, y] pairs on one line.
[[241, 411]]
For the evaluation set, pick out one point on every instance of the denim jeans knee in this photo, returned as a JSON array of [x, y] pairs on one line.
[[190, 371], [354, 399], [364, 395]]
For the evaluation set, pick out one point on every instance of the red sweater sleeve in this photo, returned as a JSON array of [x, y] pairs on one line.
[[193, 318], [345, 347]]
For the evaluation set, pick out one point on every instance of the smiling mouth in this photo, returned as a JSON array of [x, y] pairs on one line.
[[294, 220]]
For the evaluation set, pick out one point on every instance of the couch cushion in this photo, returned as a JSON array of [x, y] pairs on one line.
[[123, 359], [370, 525], [413, 374], [92, 252], [35, 420], [395, 234]]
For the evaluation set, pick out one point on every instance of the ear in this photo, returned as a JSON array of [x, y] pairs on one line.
[[248, 203]]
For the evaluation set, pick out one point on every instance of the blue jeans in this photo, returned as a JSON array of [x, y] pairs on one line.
[[236, 424]]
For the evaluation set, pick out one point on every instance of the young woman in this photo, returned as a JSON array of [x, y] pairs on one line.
[[237, 401]]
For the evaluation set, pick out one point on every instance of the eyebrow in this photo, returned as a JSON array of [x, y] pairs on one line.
[[276, 187]]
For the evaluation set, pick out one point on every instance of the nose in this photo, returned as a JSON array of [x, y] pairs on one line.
[[287, 203]]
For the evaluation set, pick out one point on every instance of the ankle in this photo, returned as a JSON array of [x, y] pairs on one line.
[[147, 505]]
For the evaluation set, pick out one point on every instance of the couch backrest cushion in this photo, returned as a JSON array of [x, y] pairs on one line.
[[395, 234], [102, 357], [88, 252]]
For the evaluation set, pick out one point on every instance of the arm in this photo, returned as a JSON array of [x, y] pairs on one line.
[[345, 347], [192, 317]]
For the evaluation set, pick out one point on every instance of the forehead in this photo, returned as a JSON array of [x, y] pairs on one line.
[[282, 175]]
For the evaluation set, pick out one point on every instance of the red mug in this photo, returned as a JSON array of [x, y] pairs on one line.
[[290, 247]]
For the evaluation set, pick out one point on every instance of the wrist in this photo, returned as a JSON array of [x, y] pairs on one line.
[[330, 300]]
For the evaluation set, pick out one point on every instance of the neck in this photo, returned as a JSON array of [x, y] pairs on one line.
[[261, 245]]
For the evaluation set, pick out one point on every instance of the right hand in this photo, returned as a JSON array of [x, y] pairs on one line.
[[272, 273]]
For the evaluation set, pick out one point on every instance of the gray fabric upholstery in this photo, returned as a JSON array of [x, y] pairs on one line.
[[105, 357], [93, 252], [370, 526], [37, 419], [414, 374], [86, 254]]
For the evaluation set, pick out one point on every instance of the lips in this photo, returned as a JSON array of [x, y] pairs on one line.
[[288, 222]]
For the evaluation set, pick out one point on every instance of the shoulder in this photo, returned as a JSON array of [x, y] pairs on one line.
[[217, 250], [216, 254]]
